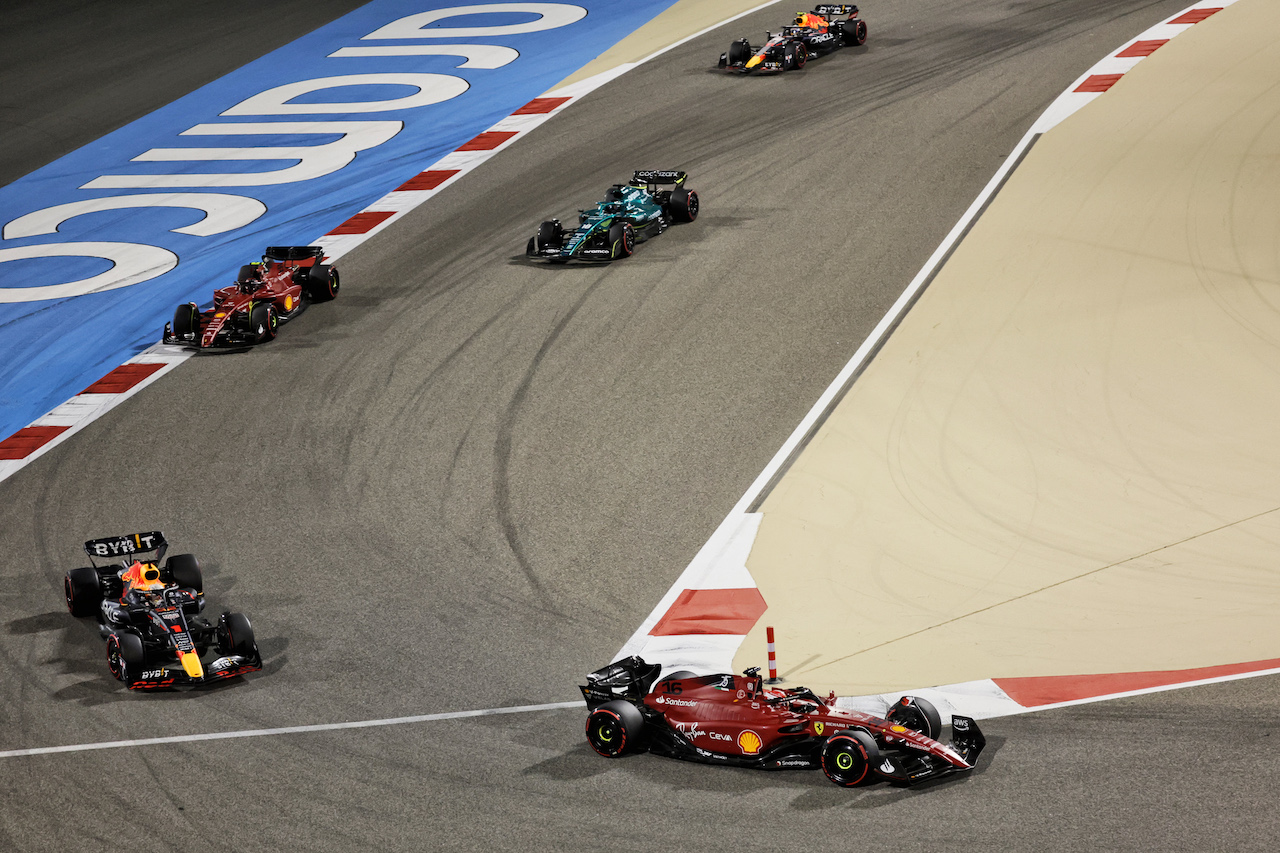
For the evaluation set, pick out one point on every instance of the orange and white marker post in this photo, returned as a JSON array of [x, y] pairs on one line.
[[773, 657]]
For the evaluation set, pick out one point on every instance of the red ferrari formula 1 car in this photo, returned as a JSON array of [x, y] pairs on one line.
[[150, 615], [734, 720], [811, 34], [264, 295]]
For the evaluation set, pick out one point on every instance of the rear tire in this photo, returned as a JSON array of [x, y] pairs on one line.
[[264, 322], [322, 283], [855, 32], [919, 715], [125, 656], [683, 205], [185, 571], [739, 52], [235, 636], [614, 728], [847, 757], [83, 591], [678, 676]]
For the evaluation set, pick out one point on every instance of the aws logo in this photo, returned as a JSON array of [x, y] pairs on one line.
[[749, 742]]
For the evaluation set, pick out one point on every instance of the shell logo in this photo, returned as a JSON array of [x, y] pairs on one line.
[[901, 730], [749, 742], [288, 303]]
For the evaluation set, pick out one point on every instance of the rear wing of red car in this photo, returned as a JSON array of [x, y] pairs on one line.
[[293, 253], [827, 10], [120, 548]]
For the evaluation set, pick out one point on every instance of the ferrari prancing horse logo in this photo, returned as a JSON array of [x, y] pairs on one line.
[[817, 728]]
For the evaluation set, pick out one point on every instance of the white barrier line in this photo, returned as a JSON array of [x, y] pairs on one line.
[[290, 730]]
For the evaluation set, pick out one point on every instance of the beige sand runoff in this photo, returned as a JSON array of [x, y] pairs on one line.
[[682, 19], [1067, 458]]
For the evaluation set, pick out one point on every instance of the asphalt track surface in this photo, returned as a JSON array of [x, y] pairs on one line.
[[466, 481]]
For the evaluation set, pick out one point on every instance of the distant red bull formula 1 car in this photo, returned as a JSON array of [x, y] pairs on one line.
[[151, 616], [811, 34], [734, 720], [264, 295]]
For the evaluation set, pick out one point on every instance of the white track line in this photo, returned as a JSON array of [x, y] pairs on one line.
[[290, 730]]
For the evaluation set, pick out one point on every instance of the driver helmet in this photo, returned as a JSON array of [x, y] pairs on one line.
[[143, 577], [800, 19]]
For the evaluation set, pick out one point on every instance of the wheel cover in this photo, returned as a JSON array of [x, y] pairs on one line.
[[115, 661], [605, 732]]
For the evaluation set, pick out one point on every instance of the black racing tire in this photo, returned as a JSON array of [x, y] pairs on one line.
[[683, 205], [235, 636], [550, 234], [125, 656], [622, 240], [855, 32], [794, 56], [323, 283], [186, 320], [615, 728], [678, 676], [739, 52], [185, 571], [248, 272], [917, 714], [264, 322], [848, 756], [83, 591]]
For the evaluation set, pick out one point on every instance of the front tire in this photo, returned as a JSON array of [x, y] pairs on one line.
[[917, 714], [847, 757], [125, 656], [614, 728], [739, 52], [83, 591], [794, 56], [622, 240], [186, 321], [235, 636], [185, 571], [264, 322], [550, 234]]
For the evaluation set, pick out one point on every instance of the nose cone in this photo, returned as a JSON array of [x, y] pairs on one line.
[[191, 663], [753, 61]]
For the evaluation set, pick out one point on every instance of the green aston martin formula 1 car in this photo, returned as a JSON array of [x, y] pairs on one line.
[[630, 213]]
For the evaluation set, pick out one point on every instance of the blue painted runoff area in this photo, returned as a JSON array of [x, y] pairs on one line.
[[99, 247]]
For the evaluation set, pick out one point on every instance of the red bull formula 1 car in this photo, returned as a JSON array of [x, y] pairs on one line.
[[735, 720], [151, 616], [812, 34], [264, 295]]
